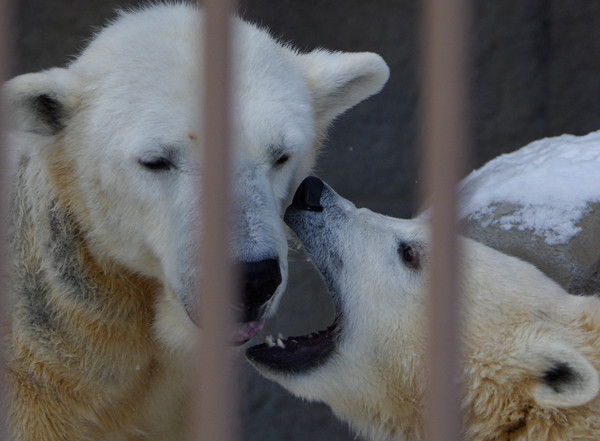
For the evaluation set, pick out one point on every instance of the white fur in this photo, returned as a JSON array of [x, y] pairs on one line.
[[134, 94]]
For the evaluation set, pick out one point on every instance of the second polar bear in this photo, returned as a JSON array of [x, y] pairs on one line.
[[531, 351]]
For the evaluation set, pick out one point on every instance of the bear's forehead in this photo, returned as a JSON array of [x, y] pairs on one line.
[[408, 229], [165, 43], [141, 76]]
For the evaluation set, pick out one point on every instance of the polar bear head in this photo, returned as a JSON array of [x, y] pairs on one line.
[[530, 356], [121, 126]]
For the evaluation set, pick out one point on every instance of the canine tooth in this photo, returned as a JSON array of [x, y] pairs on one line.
[[270, 341], [280, 336], [280, 343]]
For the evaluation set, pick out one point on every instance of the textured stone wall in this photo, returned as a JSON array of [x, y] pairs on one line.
[[535, 73]]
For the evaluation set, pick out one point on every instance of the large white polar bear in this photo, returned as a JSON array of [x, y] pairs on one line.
[[106, 218], [531, 351]]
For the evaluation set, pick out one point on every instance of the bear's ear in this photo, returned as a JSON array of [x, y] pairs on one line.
[[563, 376], [41, 103], [339, 80]]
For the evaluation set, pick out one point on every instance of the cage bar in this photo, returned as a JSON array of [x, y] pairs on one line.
[[216, 417], [444, 137]]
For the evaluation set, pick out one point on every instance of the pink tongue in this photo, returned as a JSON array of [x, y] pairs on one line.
[[245, 331]]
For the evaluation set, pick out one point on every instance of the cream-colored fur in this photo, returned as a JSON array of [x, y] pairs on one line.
[[531, 352]]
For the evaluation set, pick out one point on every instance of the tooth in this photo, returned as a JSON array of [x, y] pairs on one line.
[[280, 343], [270, 341], [280, 336]]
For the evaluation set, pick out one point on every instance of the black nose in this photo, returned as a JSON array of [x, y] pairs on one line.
[[308, 195], [261, 280]]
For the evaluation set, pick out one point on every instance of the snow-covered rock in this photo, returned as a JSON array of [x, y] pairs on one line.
[[542, 204]]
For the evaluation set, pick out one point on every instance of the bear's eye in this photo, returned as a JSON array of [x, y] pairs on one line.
[[281, 160], [409, 255], [156, 164]]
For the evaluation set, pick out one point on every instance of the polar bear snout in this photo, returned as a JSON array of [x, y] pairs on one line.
[[261, 280]]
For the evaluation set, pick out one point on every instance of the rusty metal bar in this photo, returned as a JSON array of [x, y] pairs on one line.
[[216, 418], [444, 137], [5, 71]]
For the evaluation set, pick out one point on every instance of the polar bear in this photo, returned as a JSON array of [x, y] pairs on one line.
[[106, 219], [531, 352]]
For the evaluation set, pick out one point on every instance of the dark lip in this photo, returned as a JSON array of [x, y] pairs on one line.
[[299, 354]]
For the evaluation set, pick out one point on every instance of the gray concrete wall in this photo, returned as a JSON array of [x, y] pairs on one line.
[[535, 73]]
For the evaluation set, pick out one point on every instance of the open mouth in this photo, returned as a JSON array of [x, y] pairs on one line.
[[302, 353], [296, 354], [261, 279]]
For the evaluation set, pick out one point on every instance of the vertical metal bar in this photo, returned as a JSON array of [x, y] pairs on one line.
[[444, 137], [215, 421], [5, 68]]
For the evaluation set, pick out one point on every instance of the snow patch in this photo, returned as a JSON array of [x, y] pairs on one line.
[[551, 183]]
